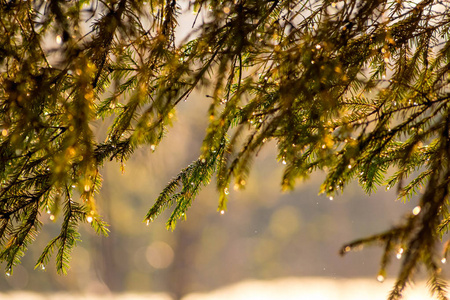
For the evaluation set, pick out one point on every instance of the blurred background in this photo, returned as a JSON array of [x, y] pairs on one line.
[[266, 244], [264, 235]]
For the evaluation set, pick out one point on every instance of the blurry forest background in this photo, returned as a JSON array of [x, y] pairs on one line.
[[264, 234]]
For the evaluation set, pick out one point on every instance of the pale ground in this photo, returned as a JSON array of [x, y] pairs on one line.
[[285, 289]]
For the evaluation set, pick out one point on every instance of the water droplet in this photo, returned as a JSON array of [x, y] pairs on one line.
[[331, 198], [443, 260], [283, 162], [42, 267], [5, 132], [416, 210], [349, 166], [380, 278], [8, 273], [399, 255], [153, 147], [52, 217], [222, 212], [148, 222], [89, 219], [87, 188], [226, 191], [318, 46], [58, 39]]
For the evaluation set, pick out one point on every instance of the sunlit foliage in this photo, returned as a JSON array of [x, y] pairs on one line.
[[354, 88]]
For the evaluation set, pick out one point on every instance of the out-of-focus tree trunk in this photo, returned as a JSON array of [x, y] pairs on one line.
[[182, 270], [105, 253], [178, 277]]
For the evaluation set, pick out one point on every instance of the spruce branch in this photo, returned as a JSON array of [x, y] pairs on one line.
[[356, 89]]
